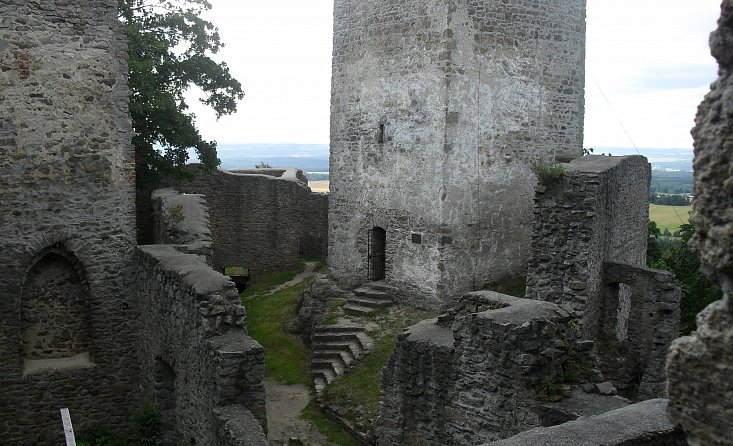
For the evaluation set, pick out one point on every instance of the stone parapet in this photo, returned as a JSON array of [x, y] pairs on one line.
[[195, 355]]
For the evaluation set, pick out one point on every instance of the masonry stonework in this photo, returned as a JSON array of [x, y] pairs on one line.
[[438, 110], [262, 220], [66, 220], [198, 364], [701, 365], [589, 255]]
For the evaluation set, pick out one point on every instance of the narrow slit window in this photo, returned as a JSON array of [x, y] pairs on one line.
[[380, 136]]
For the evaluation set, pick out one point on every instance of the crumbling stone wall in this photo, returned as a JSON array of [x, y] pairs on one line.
[[701, 365], [261, 221], [474, 375], [439, 108], [182, 220], [66, 220], [588, 255], [198, 364]]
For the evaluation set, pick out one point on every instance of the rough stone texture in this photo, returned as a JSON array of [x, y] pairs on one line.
[[644, 423], [700, 366], [182, 220], [476, 92], [196, 358], [473, 376], [261, 221], [66, 219], [637, 328], [313, 304], [588, 255]]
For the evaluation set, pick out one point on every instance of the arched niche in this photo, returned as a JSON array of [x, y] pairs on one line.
[[55, 316]]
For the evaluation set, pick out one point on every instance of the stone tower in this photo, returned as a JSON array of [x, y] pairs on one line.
[[439, 109], [68, 306]]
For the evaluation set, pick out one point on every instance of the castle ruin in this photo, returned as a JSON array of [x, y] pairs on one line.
[[439, 110]]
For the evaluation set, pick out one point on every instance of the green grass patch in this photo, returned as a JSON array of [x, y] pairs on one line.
[[357, 394], [333, 431], [285, 359], [263, 284], [669, 217]]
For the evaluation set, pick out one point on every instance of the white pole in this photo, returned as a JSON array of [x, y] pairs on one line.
[[68, 428]]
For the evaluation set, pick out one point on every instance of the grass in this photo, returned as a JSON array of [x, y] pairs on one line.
[[332, 430], [357, 394], [669, 217], [263, 284], [285, 359]]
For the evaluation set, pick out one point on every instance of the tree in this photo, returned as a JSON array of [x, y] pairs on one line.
[[169, 51], [697, 290]]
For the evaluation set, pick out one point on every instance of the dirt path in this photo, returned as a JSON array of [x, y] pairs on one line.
[[284, 404]]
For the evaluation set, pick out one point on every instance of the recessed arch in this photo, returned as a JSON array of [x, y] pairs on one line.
[[55, 316]]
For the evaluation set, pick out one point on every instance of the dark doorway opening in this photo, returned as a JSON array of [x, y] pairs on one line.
[[377, 253]]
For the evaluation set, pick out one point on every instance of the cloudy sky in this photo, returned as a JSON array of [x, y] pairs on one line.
[[649, 58]]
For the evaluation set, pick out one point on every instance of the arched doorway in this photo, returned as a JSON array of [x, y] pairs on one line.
[[377, 253]]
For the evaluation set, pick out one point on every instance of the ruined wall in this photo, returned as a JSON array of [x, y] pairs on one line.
[[438, 109], [198, 364], [66, 220], [182, 220], [264, 222], [644, 423], [595, 211], [588, 255], [473, 376], [701, 365]]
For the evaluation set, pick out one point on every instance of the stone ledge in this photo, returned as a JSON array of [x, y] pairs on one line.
[[643, 423]]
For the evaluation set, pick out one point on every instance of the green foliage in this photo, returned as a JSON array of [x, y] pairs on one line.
[[548, 174], [176, 213], [285, 359], [260, 285], [333, 431], [673, 255], [548, 391], [335, 309], [146, 422], [169, 51]]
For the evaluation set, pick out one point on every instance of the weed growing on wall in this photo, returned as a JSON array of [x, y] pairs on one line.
[[548, 174]]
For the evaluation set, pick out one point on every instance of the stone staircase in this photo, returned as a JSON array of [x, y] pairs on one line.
[[370, 298], [336, 349]]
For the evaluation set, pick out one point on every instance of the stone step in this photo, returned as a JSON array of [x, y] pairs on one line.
[[344, 356], [329, 336], [371, 293], [319, 383], [336, 365], [326, 373], [353, 348], [338, 328], [381, 286], [358, 309], [370, 302]]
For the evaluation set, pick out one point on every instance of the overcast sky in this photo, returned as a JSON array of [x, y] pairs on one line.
[[649, 57]]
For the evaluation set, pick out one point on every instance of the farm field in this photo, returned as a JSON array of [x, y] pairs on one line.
[[669, 217], [318, 186]]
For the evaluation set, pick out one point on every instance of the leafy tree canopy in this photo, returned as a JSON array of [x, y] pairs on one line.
[[170, 47]]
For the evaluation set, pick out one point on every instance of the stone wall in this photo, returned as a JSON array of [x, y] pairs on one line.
[[474, 375], [701, 365], [198, 364], [439, 108], [261, 221], [66, 221], [588, 255], [182, 220], [644, 423]]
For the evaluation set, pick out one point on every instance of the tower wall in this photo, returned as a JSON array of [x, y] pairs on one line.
[[68, 306], [439, 108]]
